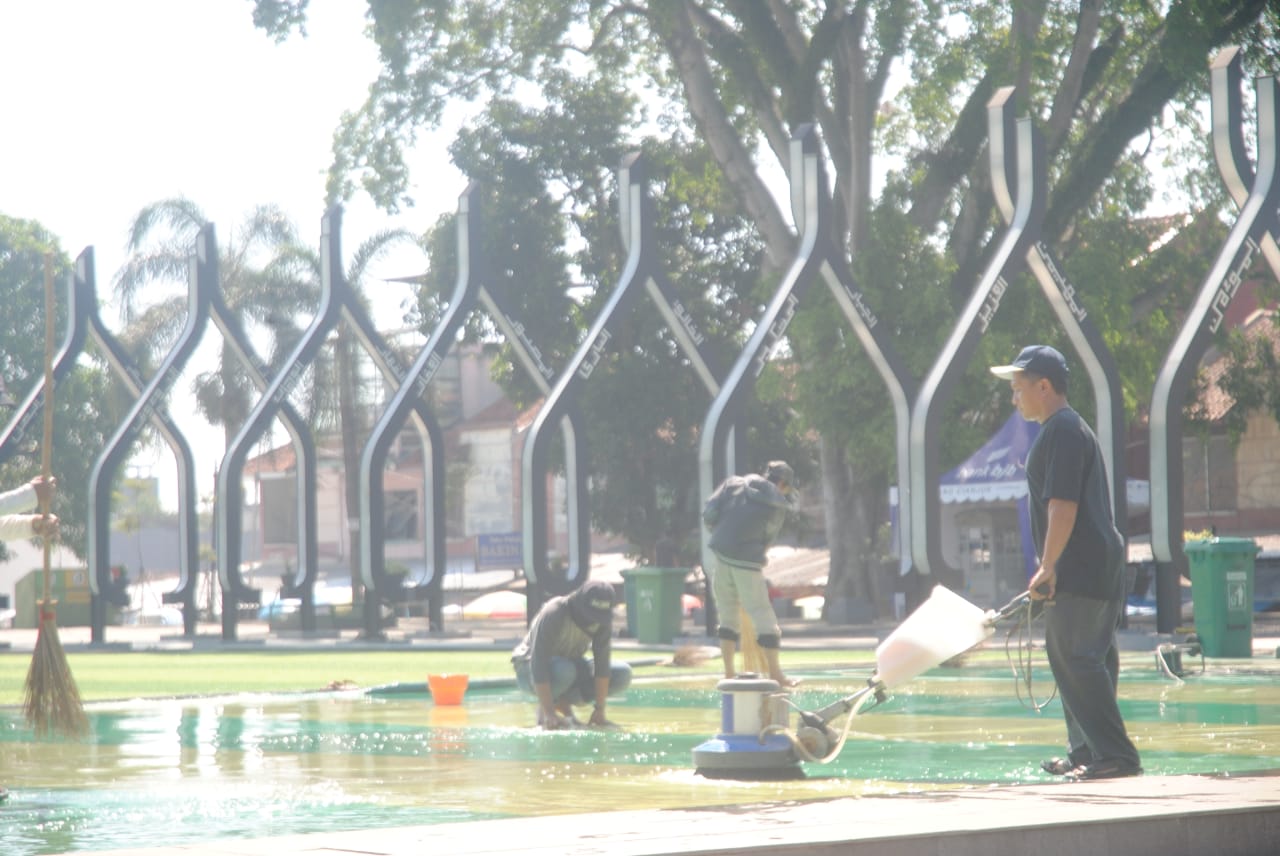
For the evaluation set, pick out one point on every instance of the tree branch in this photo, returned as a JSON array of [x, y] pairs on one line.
[[1153, 87], [674, 22], [955, 158], [733, 55], [1069, 91]]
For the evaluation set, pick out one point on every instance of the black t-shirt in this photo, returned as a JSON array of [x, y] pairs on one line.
[[1065, 462]]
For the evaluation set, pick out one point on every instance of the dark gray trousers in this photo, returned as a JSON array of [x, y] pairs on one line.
[[1080, 636]]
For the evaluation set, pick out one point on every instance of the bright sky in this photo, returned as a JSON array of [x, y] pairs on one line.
[[110, 106]]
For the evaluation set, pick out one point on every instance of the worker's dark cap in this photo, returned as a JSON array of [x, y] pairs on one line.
[[1039, 360], [593, 603], [780, 471]]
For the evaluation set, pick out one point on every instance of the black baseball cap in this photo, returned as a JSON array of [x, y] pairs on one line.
[[1039, 360], [779, 471], [593, 603]]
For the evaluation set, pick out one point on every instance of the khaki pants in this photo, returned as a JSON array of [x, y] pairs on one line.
[[737, 588]]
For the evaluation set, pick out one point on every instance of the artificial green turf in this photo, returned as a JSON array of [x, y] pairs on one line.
[[118, 675], [112, 675], [109, 675]]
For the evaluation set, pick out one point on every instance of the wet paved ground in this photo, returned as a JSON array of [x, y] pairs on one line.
[[1147, 815], [1166, 811]]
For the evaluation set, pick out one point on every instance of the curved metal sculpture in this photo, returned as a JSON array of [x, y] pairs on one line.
[[1020, 189], [817, 256], [202, 281], [642, 268], [473, 288], [1017, 177], [229, 505], [302, 585], [379, 586], [1247, 238], [81, 321], [636, 225], [117, 358], [336, 300]]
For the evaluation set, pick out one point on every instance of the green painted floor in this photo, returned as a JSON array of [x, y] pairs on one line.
[[195, 770]]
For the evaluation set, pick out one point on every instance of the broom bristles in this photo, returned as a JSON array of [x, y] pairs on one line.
[[52, 700]]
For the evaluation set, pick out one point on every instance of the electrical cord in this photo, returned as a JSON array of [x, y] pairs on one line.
[[1163, 664], [1191, 647], [1024, 646], [1022, 608], [801, 749]]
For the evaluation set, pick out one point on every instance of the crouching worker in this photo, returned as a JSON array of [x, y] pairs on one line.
[[550, 661]]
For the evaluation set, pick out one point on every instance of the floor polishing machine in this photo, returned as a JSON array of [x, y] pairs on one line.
[[756, 740]]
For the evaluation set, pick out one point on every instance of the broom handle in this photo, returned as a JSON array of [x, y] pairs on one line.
[[46, 446]]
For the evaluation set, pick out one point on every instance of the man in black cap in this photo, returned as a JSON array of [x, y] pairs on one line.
[[1081, 572], [744, 515], [549, 661]]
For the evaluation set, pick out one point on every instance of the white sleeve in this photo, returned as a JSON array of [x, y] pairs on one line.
[[18, 500], [16, 526]]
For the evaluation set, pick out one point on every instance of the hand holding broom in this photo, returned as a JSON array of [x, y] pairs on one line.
[[52, 700]]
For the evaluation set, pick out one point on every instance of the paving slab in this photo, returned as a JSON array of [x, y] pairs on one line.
[[1166, 815]]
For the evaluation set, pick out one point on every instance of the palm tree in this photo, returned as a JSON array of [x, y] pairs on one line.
[[269, 278], [266, 279]]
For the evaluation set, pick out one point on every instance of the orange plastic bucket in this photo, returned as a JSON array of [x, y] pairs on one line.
[[447, 689]]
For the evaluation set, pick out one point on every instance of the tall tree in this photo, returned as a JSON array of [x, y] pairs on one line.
[[898, 89], [266, 278], [85, 413]]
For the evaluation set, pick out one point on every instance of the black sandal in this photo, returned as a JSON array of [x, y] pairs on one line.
[[1057, 766], [1111, 768]]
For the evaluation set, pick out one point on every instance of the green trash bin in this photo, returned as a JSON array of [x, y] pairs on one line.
[[629, 598], [1222, 594], [658, 608], [68, 586]]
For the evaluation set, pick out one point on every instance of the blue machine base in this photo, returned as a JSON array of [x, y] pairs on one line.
[[735, 756]]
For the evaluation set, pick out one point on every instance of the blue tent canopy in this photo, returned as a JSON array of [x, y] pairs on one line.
[[997, 472]]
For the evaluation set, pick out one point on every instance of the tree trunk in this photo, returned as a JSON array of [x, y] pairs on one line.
[[856, 590], [348, 425], [687, 54], [846, 584]]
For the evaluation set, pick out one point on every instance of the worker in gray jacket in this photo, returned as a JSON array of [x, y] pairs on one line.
[[550, 663], [744, 516]]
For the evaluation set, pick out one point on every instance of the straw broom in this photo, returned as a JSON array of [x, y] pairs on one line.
[[52, 700]]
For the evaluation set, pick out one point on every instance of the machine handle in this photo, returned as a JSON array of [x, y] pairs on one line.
[[1009, 608]]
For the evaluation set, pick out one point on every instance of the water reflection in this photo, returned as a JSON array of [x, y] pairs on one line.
[[197, 769]]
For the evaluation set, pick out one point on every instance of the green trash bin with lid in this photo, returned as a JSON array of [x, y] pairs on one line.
[[629, 598], [1222, 594], [658, 607]]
